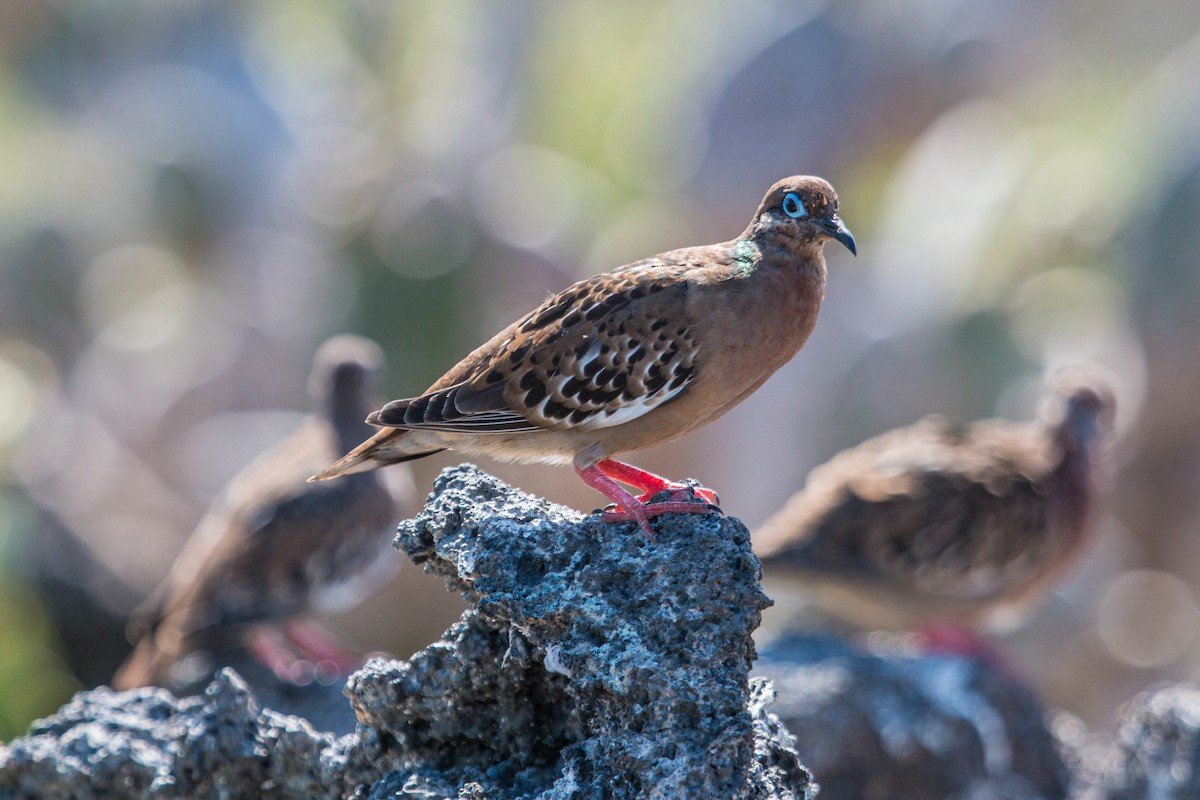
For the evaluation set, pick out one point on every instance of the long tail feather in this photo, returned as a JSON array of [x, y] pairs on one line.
[[380, 450]]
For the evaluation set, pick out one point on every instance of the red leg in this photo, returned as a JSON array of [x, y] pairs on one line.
[[954, 640], [632, 509], [319, 645], [650, 483], [270, 648]]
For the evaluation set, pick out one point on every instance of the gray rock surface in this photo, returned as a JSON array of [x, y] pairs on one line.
[[1156, 754], [322, 704], [911, 726], [147, 743], [594, 664], [603, 664]]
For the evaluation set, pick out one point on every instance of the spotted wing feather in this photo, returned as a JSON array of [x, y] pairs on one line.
[[271, 542], [943, 509], [601, 353]]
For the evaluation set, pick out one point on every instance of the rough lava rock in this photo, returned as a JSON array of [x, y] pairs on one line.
[[147, 743], [322, 704], [1156, 754], [912, 726], [594, 664]]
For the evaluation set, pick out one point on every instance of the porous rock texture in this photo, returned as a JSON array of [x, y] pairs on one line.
[[322, 704], [1156, 754], [914, 725], [594, 664], [147, 743]]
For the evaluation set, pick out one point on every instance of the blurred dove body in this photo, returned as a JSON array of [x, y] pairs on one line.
[[274, 547], [630, 358], [946, 523]]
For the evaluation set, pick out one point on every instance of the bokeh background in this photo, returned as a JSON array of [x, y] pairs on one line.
[[193, 194]]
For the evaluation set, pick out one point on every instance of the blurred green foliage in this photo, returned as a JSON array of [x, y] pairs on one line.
[[33, 680]]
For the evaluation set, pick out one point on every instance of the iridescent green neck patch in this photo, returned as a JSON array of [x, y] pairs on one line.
[[747, 255]]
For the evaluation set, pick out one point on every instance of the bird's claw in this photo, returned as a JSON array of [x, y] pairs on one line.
[[704, 493], [689, 490], [642, 513], [683, 494], [615, 514]]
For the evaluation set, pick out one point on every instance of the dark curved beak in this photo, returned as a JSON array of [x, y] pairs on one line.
[[838, 230]]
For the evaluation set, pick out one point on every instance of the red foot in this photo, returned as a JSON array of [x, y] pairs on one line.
[[953, 640], [271, 649], [649, 483], [643, 512], [603, 476], [320, 657], [682, 491], [320, 645]]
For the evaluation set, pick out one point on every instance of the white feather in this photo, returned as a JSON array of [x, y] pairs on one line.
[[631, 410]]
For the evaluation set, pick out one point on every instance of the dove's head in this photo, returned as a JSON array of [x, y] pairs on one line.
[[1084, 407], [345, 376], [802, 209]]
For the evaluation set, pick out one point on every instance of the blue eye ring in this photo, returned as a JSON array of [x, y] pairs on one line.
[[793, 206]]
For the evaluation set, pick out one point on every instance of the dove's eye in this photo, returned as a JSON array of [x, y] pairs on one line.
[[793, 207]]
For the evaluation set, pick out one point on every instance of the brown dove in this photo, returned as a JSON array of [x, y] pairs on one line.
[[946, 524], [274, 546], [630, 358]]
